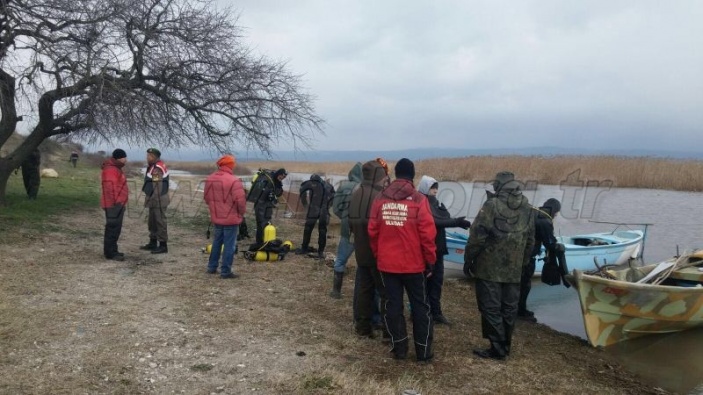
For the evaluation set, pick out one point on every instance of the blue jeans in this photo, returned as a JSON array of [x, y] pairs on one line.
[[344, 251], [227, 235]]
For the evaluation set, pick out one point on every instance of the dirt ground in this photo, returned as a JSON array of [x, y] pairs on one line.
[[72, 322]]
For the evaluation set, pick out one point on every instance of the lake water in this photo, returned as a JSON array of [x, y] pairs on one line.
[[673, 362]]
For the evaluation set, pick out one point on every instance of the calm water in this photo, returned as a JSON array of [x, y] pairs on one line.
[[673, 362]]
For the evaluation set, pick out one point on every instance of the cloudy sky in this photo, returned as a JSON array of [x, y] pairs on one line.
[[397, 74]]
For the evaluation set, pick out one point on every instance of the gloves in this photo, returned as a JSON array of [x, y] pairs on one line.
[[428, 270], [463, 223], [470, 269]]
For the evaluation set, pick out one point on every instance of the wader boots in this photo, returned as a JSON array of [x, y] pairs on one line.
[[337, 286]]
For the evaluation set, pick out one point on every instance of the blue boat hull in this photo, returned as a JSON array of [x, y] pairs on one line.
[[581, 250]]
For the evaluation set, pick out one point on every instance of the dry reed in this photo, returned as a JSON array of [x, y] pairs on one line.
[[622, 172]]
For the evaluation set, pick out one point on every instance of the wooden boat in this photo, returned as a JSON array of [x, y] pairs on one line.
[[632, 302], [615, 248]]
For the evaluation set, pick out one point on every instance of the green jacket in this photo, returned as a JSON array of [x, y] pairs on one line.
[[342, 198], [501, 238]]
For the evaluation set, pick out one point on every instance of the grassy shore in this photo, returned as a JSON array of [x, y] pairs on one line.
[[622, 172]]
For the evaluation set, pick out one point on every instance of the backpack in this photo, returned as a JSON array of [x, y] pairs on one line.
[[551, 275], [555, 269], [258, 184], [342, 199]]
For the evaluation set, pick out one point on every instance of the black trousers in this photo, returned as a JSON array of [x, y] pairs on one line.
[[310, 221], [497, 303], [263, 214], [367, 282], [31, 179], [526, 284], [414, 286], [113, 228], [434, 287]]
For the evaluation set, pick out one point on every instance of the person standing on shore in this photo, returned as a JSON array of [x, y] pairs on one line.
[[340, 208], [544, 236], [224, 195], [115, 194], [402, 234], [156, 199], [321, 194], [500, 244], [429, 187], [368, 280], [73, 158], [267, 200]]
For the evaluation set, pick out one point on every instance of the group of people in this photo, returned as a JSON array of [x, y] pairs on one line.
[[115, 194], [396, 232], [399, 241]]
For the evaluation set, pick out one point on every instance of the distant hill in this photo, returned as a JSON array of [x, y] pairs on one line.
[[427, 153], [415, 154]]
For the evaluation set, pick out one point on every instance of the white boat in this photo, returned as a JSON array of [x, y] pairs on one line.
[[612, 248]]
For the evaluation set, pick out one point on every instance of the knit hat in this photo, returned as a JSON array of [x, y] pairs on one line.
[[227, 161], [119, 154], [405, 169], [154, 151]]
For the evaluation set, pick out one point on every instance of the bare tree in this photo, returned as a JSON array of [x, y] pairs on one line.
[[169, 71]]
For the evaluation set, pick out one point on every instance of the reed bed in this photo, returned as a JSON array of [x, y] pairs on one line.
[[617, 171]]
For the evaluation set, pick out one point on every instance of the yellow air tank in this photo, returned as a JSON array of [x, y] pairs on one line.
[[265, 256], [208, 248], [269, 232]]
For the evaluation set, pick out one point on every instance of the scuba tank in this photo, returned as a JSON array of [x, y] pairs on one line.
[[265, 256], [208, 249], [269, 232]]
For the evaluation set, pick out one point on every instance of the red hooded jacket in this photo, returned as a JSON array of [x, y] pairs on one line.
[[402, 230], [114, 182], [224, 195]]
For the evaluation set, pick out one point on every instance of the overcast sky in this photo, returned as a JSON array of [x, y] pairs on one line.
[[392, 74]]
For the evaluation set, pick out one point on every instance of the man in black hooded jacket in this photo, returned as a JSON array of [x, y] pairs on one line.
[[429, 187], [321, 195], [544, 236]]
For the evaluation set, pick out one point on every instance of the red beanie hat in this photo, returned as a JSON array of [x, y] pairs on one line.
[[227, 161]]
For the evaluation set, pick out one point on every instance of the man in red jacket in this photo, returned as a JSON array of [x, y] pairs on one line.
[[402, 234], [113, 201], [224, 195]]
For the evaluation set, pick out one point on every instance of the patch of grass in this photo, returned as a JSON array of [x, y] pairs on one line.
[[57, 196], [318, 383], [202, 367]]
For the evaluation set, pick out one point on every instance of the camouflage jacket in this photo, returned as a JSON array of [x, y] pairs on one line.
[[501, 238]]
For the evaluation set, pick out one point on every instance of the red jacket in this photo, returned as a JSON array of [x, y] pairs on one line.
[[224, 195], [402, 230], [114, 182]]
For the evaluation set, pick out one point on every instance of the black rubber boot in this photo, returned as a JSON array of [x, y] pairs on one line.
[[337, 286], [496, 351], [161, 249], [152, 245]]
